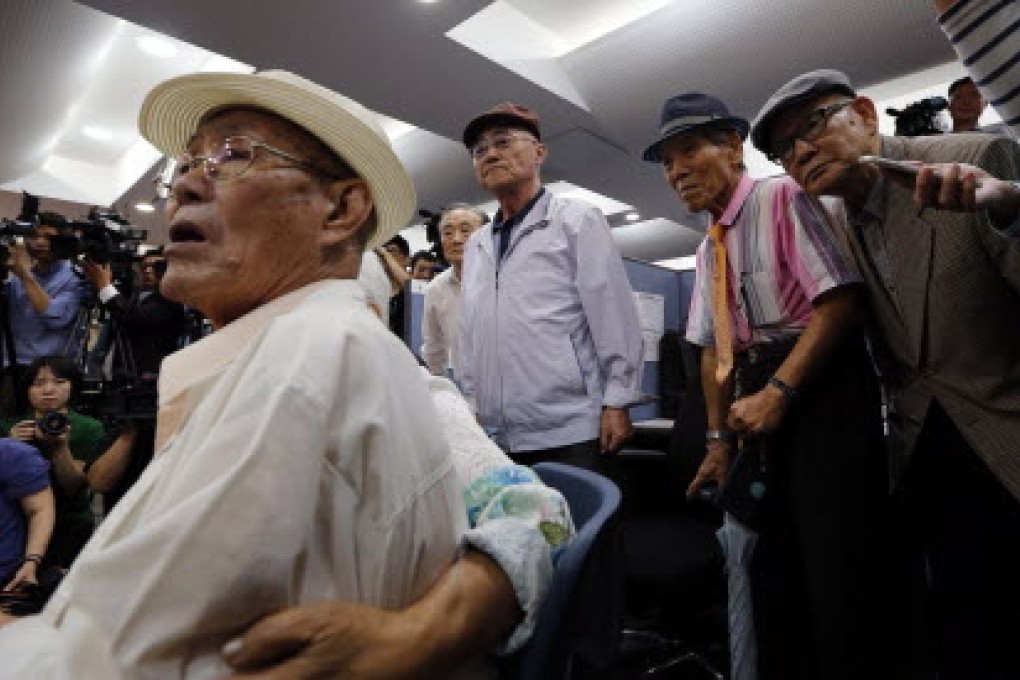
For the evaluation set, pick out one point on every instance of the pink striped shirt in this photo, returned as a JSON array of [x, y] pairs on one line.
[[781, 254]]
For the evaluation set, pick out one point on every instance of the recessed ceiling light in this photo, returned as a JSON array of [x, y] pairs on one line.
[[97, 133], [160, 48], [632, 217], [145, 207]]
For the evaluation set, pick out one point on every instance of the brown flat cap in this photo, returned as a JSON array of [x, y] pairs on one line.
[[506, 114]]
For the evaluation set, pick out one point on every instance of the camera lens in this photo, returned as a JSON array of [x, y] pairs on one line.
[[53, 424]]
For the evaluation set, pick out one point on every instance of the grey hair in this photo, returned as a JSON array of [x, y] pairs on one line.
[[462, 206]]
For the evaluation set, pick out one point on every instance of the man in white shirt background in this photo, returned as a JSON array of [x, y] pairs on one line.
[[442, 297]]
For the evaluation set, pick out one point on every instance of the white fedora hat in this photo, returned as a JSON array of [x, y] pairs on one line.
[[172, 111]]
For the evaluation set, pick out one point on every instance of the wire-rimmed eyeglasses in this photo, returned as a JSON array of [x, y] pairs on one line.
[[229, 159]]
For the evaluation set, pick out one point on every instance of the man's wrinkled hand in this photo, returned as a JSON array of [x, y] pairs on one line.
[[713, 468], [614, 429], [328, 640], [965, 188], [758, 414]]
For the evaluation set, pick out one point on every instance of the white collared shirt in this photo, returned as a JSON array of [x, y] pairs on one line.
[[440, 322], [298, 462]]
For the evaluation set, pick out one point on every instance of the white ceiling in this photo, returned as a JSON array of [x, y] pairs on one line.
[[617, 60]]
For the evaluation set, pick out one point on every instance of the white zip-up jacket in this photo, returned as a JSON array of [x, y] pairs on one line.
[[551, 335]]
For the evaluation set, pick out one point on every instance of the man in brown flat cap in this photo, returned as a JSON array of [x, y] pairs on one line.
[[549, 336]]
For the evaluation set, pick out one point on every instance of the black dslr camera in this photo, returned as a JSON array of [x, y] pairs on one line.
[[53, 424]]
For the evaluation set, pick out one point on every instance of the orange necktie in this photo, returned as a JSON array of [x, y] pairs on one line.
[[720, 306]]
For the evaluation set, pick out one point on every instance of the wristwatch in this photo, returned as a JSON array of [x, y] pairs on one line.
[[718, 435]]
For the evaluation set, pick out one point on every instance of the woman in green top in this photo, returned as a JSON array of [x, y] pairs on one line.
[[48, 385]]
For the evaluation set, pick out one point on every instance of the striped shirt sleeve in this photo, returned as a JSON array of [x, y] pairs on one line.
[[816, 260], [986, 37]]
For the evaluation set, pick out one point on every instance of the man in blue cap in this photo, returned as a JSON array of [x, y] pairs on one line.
[[777, 310], [944, 288]]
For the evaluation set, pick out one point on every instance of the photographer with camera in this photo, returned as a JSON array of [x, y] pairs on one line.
[[145, 327], [69, 441], [44, 293], [152, 326]]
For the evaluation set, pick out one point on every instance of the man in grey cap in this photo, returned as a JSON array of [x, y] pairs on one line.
[[944, 289], [549, 341], [777, 312]]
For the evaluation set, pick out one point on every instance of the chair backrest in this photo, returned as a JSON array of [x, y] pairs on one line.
[[593, 502]]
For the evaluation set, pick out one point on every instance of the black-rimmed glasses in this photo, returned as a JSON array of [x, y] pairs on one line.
[[809, 130]]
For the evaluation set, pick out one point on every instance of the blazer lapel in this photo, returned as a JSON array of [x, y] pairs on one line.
[[910, 243]]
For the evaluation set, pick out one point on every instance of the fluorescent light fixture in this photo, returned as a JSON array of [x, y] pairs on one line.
[[632, 217], [97, 133], [394, 129], [145, 207], [161, 48], [679, 263]]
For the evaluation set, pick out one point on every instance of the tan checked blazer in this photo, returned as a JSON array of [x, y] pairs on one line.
[[952, 325]]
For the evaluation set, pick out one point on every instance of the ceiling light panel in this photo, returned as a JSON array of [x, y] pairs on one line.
[[100, 134], [578, 23], [155, 46]]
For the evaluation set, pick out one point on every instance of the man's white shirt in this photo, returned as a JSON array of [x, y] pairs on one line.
[[296, 462]]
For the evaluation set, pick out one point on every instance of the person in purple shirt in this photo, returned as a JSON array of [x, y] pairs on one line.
[[26, 512], [45, 295]]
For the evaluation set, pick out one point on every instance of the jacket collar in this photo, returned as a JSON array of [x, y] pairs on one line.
[[536, 218]]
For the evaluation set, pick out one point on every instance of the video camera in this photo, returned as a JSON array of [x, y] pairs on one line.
[[920, 118], [105, 237], [10, 232]]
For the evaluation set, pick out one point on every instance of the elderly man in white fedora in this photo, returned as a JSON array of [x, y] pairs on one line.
[[296, 460]]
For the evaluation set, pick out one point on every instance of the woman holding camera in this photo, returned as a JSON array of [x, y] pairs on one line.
[[69, 441]]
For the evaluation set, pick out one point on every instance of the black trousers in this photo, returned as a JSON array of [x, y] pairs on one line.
[[966, 526], [818, 582]]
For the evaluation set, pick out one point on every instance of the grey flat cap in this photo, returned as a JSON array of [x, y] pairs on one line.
[[803, 87]]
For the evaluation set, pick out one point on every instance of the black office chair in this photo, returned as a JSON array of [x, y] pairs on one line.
[[676, 594], [676, 585], [563, 637]]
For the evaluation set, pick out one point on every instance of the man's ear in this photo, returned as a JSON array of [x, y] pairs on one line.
[[542, 151], [352, 205], [736, 148], [865, 108]]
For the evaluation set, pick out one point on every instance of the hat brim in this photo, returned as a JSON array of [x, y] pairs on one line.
[[763, 121], [653, 154], [172, 111], [476, 127]]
